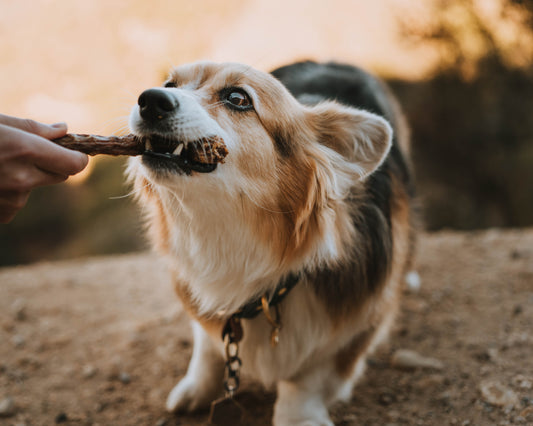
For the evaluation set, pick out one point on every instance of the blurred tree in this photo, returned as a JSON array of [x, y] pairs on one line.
[[471, 121], [468, 32]]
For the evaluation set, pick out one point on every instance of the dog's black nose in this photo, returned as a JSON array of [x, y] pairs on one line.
[[156, 104]]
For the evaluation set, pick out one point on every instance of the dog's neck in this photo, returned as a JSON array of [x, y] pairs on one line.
[[212, 249]]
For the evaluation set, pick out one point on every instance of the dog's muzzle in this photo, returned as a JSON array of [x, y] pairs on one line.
[[163, 152]]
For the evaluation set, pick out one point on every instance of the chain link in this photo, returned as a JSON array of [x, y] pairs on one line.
[[232, 334]]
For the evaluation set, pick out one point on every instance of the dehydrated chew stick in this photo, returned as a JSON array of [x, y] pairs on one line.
[[209, 150], [110, 145], [206, 150]]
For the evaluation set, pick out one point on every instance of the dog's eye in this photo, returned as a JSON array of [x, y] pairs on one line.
[[237, 99], [170, 84]]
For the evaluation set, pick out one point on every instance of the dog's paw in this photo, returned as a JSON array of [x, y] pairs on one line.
[[303, 422], [312, 416], [189, 396]]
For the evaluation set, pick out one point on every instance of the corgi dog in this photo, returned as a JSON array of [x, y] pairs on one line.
[[295, 247]]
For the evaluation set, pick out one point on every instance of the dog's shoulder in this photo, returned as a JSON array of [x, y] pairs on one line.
[[385, 193]]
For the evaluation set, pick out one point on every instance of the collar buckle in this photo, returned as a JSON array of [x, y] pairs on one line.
[[275, 323]]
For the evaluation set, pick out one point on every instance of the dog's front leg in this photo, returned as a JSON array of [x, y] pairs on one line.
[[303, 401], [204, 377]]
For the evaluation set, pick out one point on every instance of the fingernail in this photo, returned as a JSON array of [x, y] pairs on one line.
[[61, 125]]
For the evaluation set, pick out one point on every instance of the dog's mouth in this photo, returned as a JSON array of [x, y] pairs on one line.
[[174, 155]]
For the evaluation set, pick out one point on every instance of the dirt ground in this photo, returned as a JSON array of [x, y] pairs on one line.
[[101, 341]]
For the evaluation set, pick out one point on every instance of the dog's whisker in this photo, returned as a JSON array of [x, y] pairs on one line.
[[113, 122], [131, 193], [120, 130], [214, 105]]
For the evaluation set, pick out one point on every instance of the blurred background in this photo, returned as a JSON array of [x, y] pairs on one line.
[[462, 69]]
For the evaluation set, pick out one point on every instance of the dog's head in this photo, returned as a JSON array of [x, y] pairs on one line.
[[288, 169]]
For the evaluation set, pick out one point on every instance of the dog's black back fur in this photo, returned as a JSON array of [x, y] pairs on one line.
[[312, 82]]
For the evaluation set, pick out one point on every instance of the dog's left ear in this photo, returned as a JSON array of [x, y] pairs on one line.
[[361, 138]]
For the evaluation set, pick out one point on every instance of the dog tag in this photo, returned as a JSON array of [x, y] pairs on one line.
[[226, 412], [274, 336]]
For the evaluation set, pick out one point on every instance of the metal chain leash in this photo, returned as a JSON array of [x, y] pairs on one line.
[[226, 411], [232, 335]]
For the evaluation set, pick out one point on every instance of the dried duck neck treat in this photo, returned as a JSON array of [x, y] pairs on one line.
[[206, 150], [110, 145]]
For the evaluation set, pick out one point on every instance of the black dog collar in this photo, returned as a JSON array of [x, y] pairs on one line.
[[255, 307]]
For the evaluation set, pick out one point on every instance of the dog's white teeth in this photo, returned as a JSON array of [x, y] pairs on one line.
[[178, 149], [148, 145]]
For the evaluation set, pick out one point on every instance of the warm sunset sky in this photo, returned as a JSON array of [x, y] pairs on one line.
[[85, 62]]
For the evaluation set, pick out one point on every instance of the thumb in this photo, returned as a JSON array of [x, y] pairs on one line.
[[48, 131]]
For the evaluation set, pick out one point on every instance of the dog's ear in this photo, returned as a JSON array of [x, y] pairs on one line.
[[361, 138]]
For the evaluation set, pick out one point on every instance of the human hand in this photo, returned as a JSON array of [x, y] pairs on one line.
[[28, 159]]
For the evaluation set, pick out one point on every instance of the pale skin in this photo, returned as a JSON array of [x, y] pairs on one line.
[[28, 160]]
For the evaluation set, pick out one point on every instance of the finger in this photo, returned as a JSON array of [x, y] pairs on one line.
[[23, 177], [44, 154], [48, 178], [64, 162], [48, 131], [10, 203]]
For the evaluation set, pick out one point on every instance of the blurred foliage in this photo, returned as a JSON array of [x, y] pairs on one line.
[[472, 128], [471, 122], [73, 220]]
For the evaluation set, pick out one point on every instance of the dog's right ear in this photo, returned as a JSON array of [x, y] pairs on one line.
[[360, 137]]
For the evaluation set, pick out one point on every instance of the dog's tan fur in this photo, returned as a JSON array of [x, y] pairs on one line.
[[277, 205]]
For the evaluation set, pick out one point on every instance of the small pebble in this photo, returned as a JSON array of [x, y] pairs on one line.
[[526, 413], [124, 378], [350, 417], [18, 341], [490, 354], [393, 415], [99, 407], [431, 381], [413, 281], [19, 309], [89, 371], [407, 359], [61, 418], [386, 399], [445, 398], [523, 382], [493, 354], [497, 394], [7, 407], [416, 306]]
